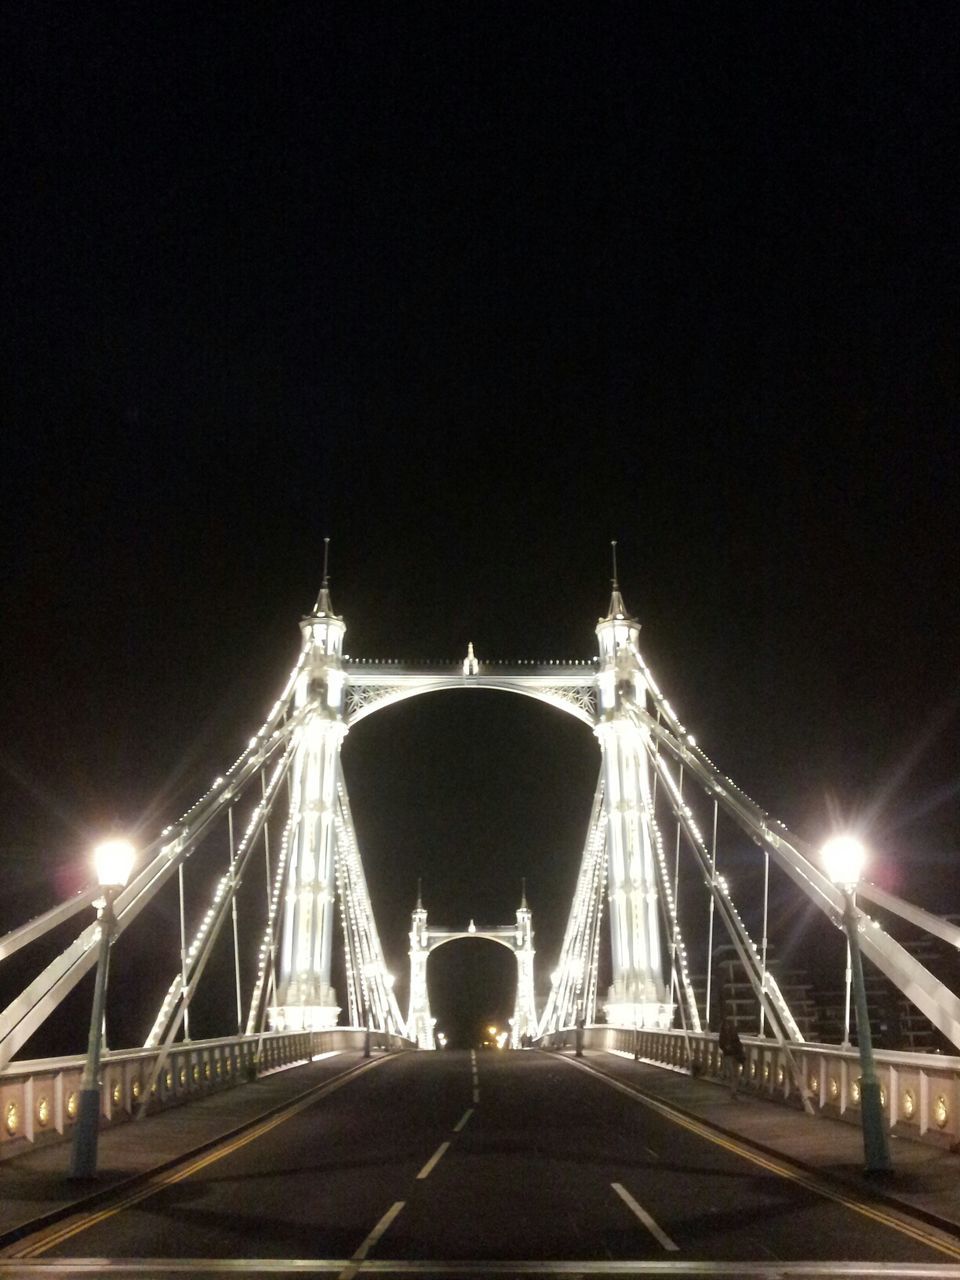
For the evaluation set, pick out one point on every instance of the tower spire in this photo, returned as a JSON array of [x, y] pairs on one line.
[[324, 605], [419, 893], [617, 608], [523, 893]]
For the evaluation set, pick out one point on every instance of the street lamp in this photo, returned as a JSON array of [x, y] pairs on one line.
[[844, 858], [113, 860]]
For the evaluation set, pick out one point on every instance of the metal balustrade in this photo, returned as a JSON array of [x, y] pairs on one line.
[[920, 1092], [38, 1099]]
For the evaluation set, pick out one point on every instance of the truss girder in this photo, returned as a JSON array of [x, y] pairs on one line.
[[24, 934]]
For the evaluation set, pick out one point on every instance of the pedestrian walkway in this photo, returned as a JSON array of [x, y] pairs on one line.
[[35, 1188], [925, 1179]]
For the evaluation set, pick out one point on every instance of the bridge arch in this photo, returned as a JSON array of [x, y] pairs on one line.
[[424, 941], [472, 984], [568, 687]]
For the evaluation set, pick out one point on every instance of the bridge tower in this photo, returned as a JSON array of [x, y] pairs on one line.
[[517, 938], [420, 1023], [305, 997], [638, 994], [525, 1008]]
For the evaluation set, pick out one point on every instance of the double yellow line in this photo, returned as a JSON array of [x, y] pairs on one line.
[[791, 1173], [52, 1236]]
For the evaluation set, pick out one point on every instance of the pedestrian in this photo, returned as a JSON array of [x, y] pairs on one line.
[[733, 1054]]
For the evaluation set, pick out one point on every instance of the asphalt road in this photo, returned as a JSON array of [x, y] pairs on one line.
[[493, 1156]]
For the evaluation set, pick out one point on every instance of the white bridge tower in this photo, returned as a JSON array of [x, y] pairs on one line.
[[638, 995], [304, 996], [517, 938]]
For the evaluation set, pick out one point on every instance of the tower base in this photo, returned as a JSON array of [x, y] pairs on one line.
[[303, 1017], [650, 1014]]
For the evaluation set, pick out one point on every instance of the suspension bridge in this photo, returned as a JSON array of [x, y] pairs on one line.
[[661, 816], [659, 801]]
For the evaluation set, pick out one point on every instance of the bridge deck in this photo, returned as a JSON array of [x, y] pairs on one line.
[[33, 1188]]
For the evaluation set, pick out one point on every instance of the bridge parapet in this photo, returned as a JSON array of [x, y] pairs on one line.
[[920, 1092], [38, 1099]]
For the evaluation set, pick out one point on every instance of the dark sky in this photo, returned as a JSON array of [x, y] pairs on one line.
[[474, 289]]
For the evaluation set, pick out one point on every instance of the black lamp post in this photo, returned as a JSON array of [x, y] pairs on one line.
[[844, 857], [114, 861]]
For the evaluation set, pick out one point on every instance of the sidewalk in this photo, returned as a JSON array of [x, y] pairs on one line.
[[35, 1189], [925, 1180]]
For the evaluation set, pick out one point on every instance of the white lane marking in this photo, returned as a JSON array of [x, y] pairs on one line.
[[512, 1270], [330, 1053], [476, 1095], [657, 1232], [351, 1269], [463, 1120], [431, 1163]]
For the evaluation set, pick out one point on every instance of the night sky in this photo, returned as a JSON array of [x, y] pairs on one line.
[[473, 289]]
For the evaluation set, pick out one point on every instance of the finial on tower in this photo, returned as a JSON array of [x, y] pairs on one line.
[[419, 893], [324, 606], [617, 608], [523, 893]]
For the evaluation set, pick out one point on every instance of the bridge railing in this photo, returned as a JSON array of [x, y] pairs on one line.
[[39, 1099], [920, 1092]]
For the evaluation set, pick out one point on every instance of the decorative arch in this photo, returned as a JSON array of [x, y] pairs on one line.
[[505, 937], [424, 941], [372, 686]]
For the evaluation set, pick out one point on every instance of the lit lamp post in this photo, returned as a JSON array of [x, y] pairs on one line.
[[843, 858], [113, 860]]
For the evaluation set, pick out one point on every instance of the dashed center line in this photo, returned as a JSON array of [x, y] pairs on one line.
[[463, 1120], [657, 1232], [432, 1162], [351, 1268]]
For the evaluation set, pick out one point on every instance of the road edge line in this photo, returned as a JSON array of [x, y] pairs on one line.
[[839, 1181], [101, 1196]]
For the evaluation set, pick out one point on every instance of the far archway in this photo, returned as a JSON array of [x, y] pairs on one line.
[[517, 938]]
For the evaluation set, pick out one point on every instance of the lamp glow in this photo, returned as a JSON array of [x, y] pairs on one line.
[[844, 858], [113, 860]]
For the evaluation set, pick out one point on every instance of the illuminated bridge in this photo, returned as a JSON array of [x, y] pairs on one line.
[[343, 1148]]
